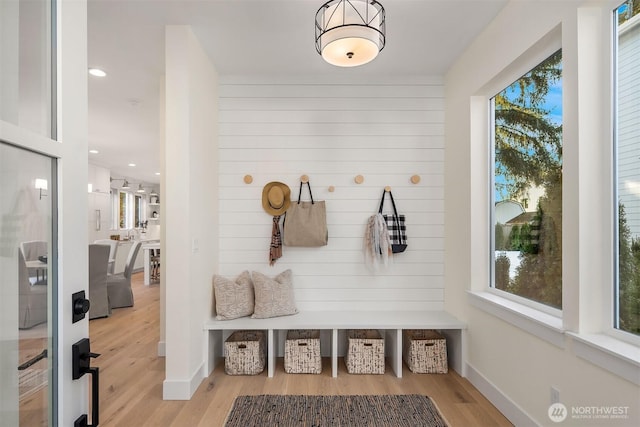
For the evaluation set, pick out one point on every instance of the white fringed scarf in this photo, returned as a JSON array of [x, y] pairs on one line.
[[377, 245]]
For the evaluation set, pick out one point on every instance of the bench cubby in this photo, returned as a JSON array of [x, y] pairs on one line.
[[333, 325]]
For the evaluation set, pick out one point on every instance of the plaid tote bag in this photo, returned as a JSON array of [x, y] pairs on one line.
[[395, 225]]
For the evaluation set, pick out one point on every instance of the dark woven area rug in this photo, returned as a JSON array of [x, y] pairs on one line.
[[380, 411]]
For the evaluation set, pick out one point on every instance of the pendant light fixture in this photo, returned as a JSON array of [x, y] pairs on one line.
[[350, 32]]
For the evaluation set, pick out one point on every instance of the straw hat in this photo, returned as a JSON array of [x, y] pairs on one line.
[[276, 198]]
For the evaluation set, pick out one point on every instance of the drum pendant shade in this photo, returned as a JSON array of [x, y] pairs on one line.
[[350, 32]]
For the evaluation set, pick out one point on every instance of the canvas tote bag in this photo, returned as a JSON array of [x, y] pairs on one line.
[[395, 225], [305, 223]]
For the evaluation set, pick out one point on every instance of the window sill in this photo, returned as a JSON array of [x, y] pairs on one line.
[[614, 355], [542, 325], [607, 352]]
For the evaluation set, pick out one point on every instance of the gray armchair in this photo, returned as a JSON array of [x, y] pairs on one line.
[[32, 298], [98, 295], [119, 285]]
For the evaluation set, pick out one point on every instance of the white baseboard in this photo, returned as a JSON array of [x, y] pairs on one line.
[[162, 349], [508, 407], [182, 389]]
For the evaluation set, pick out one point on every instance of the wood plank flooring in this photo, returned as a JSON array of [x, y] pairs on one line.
[[131, 376]]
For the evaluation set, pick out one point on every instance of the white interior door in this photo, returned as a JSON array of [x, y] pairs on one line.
[[43, 135]]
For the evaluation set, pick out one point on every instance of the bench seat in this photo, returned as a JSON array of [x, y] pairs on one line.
[[391, 322]]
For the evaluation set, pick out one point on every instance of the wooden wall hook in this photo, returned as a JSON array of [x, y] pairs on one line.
[[359, 179], [332, 189], [415, 179], [248, 179], [304, 179], [387, 189]]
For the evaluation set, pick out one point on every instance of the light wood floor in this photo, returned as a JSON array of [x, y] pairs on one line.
[[131, 376]]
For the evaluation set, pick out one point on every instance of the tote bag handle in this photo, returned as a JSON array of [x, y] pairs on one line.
[[393, 203], [300, 193]]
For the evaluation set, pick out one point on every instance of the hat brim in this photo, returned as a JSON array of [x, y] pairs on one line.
[[265, 198]]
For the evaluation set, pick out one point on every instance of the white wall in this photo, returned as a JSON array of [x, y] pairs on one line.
[[515, 368], [189, 200], [278, 129]]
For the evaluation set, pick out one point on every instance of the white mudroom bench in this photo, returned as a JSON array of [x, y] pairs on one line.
[[334, 322]]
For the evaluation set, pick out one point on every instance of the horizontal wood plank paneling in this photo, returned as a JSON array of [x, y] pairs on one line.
[[278, 131]]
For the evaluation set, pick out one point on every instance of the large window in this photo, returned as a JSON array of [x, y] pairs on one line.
[[627, 313], [527, 185]]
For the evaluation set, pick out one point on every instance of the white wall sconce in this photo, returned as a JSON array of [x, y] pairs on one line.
[[42, 185]]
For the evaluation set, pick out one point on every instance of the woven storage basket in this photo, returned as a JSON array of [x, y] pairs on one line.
[[425, 351], [302, 352], [244, 353], [365, 353]]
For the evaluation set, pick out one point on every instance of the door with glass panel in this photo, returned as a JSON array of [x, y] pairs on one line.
[[27, 287]]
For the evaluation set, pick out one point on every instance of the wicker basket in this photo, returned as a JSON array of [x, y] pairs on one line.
[[425, 351], [244, 353], [365, 353], [302, 352]]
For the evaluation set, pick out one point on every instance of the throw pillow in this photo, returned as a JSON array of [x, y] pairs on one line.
[[274, 296], [233, 298]]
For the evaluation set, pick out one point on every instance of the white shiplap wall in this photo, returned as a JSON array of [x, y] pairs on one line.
[[280, 129]]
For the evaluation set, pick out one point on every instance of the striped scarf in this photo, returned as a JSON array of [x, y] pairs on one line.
[[275, 249]]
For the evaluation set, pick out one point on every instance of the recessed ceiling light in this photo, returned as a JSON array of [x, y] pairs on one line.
[[157, 173], [94, 151], [97, 72], [132, 164]]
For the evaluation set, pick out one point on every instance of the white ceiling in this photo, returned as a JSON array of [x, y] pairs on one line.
[[243, 37]]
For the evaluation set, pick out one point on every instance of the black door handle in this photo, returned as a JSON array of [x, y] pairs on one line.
[[95, 396], [82, 355]]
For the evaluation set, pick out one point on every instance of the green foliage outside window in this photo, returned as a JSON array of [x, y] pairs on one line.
[[528, 154], [628, 276]]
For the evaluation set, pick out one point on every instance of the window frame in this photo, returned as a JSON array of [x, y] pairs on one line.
[[614, 307], [526, 302], [584, 329]]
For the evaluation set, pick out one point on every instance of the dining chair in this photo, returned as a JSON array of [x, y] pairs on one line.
[[33, 250], [113, 250], [98, 294], [32, 297], [119, 285]]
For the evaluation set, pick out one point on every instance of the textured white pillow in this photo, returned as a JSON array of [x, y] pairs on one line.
[[234, 298], [274, 297]]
